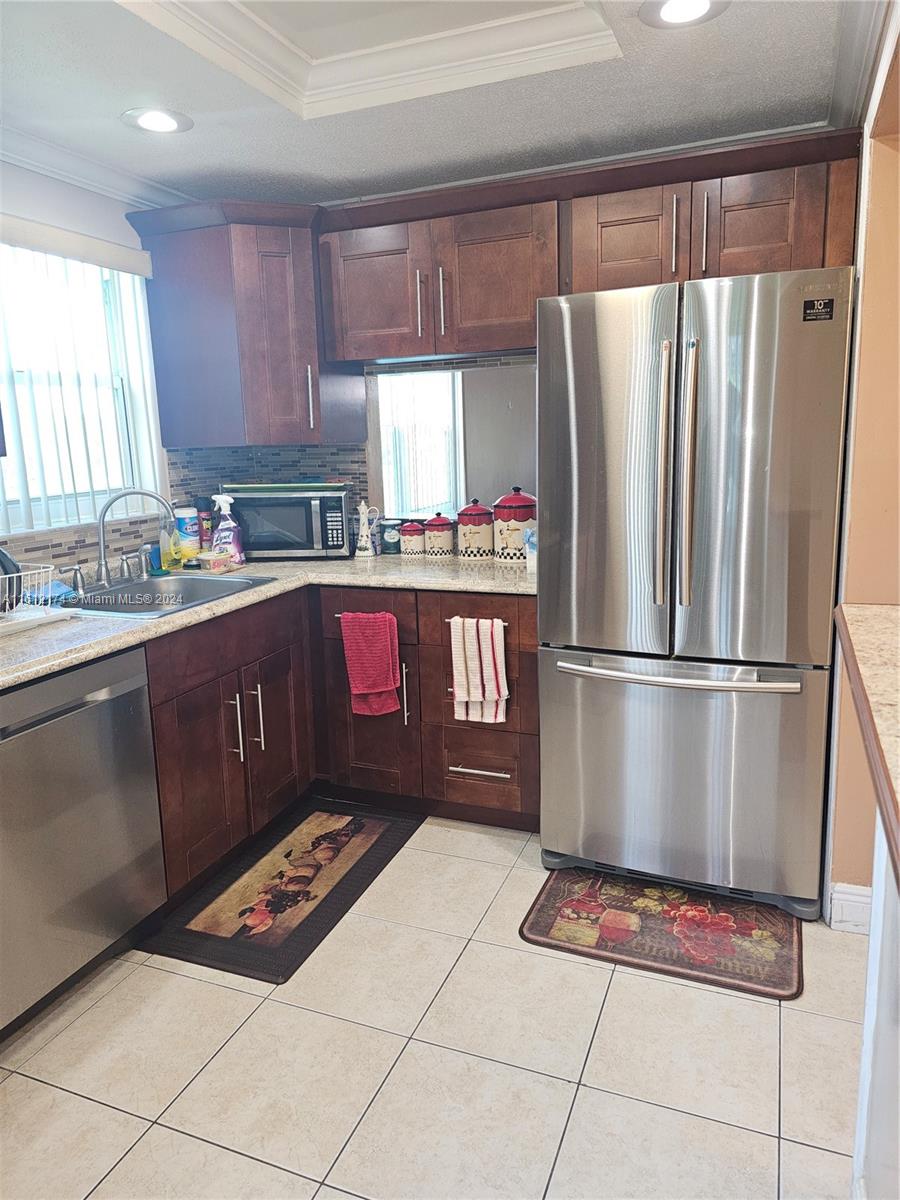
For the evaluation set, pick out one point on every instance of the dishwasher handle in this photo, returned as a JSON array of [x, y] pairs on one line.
[[34, 720]]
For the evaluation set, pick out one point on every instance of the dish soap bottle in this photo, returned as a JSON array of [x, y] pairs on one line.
[[227, 535], [169, 546]]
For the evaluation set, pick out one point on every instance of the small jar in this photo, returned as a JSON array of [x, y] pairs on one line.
[[412, 540], [476, 532], [513, 514], [438, 537], [390, 536]]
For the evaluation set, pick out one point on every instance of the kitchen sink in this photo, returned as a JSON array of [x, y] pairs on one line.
[[161, 595]]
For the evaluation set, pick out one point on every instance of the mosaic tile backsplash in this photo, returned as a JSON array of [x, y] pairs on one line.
[[194, 473]]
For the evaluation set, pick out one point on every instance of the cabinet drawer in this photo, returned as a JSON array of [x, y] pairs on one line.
[[436, 687], [181, 661], [402, 604], [482, 768], [436, 609]]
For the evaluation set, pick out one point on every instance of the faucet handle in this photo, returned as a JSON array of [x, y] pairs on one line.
[[77, 579], [125, 565]]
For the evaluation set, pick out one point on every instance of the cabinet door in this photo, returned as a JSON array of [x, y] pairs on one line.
[[490, 269], [379, 753], [269, 690], [276, 322], [629, 239], [766, 221], [201, 745], [376, 291]]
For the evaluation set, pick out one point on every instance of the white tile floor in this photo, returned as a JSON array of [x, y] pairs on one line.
[[425, 1052]]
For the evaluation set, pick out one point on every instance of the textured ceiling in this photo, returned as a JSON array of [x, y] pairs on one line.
[[69, 69]]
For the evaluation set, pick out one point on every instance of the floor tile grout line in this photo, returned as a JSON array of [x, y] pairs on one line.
[[260, 1002], [406, 1043], [264, 1162], [121, 1158], [684, 1112], [822, 1149], [212, 982], [134, 967], [83, 1096]]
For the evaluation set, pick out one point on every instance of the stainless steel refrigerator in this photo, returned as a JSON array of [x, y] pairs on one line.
[[690, 447]]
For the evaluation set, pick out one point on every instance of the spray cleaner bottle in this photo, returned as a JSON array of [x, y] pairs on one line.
[[227, 535]]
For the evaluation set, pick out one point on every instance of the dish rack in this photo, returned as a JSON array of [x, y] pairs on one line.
[[25, 599]]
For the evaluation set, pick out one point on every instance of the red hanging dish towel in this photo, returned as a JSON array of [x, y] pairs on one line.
[[373, 662]]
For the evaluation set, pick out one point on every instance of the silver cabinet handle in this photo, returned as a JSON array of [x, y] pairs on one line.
[[419, 301], [259, 708], [240, 726], [475, 771], [700, 685], [662, 473], [309, 396], [705, 230], [674, 234], [441, 298], [686, 531], [405, 697]]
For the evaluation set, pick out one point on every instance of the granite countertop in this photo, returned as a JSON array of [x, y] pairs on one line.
[[869, 635], [78, 639]]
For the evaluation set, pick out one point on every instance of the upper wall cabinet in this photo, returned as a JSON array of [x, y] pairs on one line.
[[447, 286], [783, 220], [235, 336], [628, 239]]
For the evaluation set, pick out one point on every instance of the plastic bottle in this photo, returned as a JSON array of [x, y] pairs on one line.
[[169, 546], [205, 518], [227, 536]]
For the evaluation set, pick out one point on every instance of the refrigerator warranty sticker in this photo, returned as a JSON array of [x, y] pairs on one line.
[[818, 310]]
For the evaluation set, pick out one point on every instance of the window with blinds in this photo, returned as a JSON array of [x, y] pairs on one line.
[[77, 401], [420, 433]]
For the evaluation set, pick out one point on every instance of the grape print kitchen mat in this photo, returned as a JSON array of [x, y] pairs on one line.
[[266, 912], [697, 935]]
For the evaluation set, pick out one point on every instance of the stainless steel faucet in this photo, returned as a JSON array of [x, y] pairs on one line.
[[103, 576]]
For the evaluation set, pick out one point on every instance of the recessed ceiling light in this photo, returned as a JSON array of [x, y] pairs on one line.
[[670, 14], [157, 120]]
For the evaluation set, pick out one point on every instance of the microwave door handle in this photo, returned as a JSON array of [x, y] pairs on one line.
[[315, 512]]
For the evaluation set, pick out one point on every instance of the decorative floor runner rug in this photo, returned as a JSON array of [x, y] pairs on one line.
[[645, 923], [268, 909]]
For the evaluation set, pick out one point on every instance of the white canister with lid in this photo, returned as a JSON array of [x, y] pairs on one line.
[[438, 537]]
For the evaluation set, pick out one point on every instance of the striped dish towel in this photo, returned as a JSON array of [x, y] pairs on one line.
[[480, 688]]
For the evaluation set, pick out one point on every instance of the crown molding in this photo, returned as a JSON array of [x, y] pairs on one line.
[[46, 158], [228, 34], [859, 41]]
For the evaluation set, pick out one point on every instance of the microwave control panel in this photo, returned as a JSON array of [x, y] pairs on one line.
[[333, 522]]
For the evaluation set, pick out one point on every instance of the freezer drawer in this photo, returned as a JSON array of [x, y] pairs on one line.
[[709, 774]]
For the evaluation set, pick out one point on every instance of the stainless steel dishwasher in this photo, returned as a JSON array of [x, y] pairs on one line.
[[80, 842]]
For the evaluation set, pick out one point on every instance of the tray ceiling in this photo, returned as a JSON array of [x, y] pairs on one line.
[[321, 58]]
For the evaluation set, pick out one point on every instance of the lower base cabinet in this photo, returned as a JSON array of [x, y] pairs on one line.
[[383, 754], [481, 768]]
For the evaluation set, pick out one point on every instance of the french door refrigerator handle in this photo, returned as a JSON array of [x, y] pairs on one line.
[[688, 454], [662, 474], [787, 686]]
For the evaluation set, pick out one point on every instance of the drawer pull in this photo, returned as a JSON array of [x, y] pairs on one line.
[[475, 771]]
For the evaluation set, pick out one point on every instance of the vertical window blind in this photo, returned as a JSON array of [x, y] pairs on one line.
[[420, 426], [76, 391]]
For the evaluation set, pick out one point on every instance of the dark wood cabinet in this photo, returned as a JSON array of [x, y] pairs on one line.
[[377, 292], [490, 269], [379, 753], [628, 239], [481, 767], [788, 219], [766, 221], [233, 316], [456, 284], [232, 719], [202, 783]]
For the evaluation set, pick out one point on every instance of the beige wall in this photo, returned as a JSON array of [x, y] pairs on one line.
[[872, 545]]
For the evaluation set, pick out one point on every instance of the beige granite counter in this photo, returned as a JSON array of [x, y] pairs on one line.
[[63, 644], [869, 635]]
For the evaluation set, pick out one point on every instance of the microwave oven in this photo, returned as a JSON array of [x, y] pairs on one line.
[[281, 523]]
